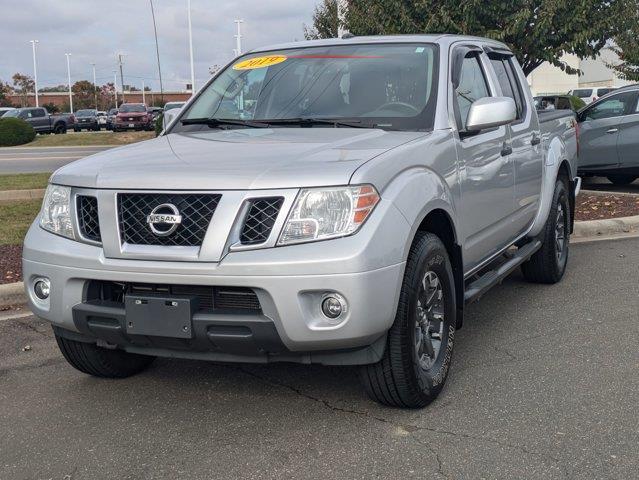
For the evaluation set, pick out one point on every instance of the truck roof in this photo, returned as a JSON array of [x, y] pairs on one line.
[[441, 39]]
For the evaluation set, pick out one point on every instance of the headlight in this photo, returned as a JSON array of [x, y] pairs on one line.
[[323, 213], [56, 211]]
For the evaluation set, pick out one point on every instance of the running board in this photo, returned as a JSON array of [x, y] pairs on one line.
[[489, 279]]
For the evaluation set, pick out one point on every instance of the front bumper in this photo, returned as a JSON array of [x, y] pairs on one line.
[[289, 282]]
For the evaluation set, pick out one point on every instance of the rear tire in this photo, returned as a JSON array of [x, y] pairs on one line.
[[621, 179], [59, 129], [548, 264], [101, 362], [419, 346]]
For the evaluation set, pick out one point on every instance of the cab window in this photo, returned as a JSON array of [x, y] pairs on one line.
[[472, 87], [615, 106]]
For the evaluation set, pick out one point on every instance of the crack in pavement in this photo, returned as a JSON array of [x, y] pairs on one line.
[[406, 426]]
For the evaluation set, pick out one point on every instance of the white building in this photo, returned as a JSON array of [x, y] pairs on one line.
[[548, 79]]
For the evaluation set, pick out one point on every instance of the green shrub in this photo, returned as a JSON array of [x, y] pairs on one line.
[[159, 124], [15, 131], [576, 103]]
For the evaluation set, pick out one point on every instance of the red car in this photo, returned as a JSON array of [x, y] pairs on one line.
[[133, 116]]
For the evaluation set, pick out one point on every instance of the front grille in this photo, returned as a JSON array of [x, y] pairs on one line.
[[210, 299], [196, 210], [260, 219], [88, 223]]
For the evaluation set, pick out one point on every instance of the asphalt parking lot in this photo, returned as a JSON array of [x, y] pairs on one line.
[[544, 384]]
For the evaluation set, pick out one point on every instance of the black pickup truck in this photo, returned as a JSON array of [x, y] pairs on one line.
[[42, 121]]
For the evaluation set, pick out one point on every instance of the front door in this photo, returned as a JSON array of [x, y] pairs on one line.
[[487, 175], [628, 142], [599, 131]]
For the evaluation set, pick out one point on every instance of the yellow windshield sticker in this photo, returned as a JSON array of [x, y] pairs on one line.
[[259, 62]]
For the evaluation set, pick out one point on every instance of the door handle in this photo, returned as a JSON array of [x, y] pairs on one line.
[[536, 140], [506, 150], [612, 130]]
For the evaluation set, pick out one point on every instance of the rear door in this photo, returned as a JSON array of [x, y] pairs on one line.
[[599, 131], [487, 176], [628, 140], [39, 119], [525, 140]]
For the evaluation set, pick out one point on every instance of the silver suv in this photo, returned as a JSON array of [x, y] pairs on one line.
[[334, 202]]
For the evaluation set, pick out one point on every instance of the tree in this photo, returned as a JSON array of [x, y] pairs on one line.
[[5, 91], [23, 85], [51, 107], [54, 89], [627, 49], [106, 96], [536, 30], [83, 94]]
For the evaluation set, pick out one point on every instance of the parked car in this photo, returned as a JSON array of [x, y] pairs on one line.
[[133, 116], [355, 197], [589, 95], [111, 118], [558, 102], [86, 119], [102, 119], [609, 137], [4, 110], [42, 121], [155, 112], [171, 105]]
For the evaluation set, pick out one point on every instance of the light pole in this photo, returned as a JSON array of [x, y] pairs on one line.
[[115, 87], [342, 7], [157, 51], [35, 71], [69, 80], [95, 87], [120, 63], [143, 97], [238, 37], [191, 50]]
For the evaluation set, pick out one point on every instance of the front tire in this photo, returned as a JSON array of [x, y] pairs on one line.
[[548, 264], [101, 362], [621, 179], [419, 347]]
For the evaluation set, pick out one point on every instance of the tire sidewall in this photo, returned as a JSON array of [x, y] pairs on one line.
[[560, 197], [432, 257]]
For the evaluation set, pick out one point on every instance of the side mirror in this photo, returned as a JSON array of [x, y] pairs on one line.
[[489, 112], [168, 117]]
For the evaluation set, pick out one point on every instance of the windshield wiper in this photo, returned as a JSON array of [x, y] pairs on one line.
[[310, 121], [218, 122]]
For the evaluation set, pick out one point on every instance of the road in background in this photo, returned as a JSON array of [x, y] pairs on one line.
[[41, 159], [544, 384]]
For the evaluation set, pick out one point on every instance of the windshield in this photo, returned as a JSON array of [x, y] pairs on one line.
[[85, 113], [12, 113], [128, 108], [171, 106], [582, 93], [382, 85]]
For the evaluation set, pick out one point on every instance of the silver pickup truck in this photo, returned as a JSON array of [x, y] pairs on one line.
[[333, 202]]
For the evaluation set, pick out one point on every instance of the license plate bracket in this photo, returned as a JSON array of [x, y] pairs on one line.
[[159, 315]]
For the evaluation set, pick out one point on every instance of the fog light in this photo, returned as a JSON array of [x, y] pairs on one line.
[[333, 306], [42, 288]]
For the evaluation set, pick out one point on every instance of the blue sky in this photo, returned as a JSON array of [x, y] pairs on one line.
[[95, 30]]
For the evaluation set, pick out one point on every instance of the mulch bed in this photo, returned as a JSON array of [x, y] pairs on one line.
[[597, 206], [10, 263]]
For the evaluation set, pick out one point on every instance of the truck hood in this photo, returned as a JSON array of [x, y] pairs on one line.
[[240, 159]]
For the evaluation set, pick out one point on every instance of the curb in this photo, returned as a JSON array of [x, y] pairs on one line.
[[12, 294], [10, 195], [595, 228]]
